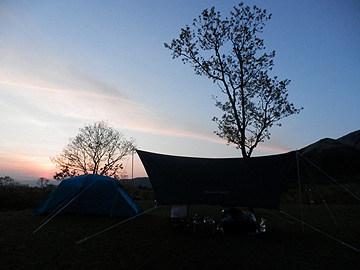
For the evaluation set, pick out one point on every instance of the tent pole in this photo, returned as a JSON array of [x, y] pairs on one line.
[[132, 174], [132, 171]]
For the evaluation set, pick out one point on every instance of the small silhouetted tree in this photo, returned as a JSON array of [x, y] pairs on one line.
[[97, 149], [229, 52], [42, 182], [8, 181]]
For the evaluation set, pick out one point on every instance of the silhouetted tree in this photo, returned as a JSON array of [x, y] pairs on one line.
[[229, 52], [97, 149], [42, 182], [8, 181]]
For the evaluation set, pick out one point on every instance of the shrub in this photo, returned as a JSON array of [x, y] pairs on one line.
[[21, 197]]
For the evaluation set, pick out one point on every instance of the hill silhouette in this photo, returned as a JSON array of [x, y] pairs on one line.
[[138, 182], [336, 156]]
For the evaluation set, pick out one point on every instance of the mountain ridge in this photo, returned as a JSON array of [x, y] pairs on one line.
[[336, 156]]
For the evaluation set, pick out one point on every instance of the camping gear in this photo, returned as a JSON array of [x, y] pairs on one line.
[[203, 224], [179, 211], [179, 218], [230, 182], [89, 194], [262, 225], [235, 221]]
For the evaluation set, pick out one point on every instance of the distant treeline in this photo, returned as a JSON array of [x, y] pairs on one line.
[[320, 193], [317, 187], [14, 196], [21, 197]]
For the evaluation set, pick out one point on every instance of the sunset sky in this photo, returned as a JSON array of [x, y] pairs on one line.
[[64, 64]]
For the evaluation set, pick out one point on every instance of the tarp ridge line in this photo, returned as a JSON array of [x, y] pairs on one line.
[[115, 225], [61, 204], [51, 217], [318, 230], [281, 218], [317, 167], [318, 191]]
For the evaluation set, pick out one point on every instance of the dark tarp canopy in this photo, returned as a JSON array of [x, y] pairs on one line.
[[255, 182]]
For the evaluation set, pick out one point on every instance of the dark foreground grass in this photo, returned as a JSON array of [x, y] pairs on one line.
[[149, 242]]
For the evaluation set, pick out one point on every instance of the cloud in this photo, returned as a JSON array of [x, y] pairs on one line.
[[96, 104], [43, 89], [82, 96], [58, 88], [17, 165], [9, 16]]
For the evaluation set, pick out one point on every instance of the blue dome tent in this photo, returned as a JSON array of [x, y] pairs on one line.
[[89, 194]]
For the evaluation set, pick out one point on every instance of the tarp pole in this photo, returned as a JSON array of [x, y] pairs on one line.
[[300, 194], [317, 167], [318, 191]]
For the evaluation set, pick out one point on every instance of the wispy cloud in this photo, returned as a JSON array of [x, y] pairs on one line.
[[76, 94], [107, 103], [9, 16], [44, 87], [17, 165]]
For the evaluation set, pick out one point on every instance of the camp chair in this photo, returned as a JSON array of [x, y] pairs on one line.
[[179, 217]]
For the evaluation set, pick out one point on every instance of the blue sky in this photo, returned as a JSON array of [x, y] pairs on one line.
[[64, 64]]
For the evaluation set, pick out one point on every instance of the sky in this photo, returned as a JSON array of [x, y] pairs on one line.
[[65, 64]]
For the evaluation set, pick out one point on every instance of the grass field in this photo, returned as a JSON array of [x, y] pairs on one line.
[[149, 242]]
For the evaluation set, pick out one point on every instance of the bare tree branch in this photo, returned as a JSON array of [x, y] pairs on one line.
[[97, 149]]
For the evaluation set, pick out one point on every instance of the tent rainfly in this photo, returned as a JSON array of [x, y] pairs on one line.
[[229, 182], [89, 194]]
